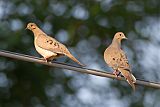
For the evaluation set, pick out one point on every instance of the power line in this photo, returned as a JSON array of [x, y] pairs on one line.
[[28, 58]]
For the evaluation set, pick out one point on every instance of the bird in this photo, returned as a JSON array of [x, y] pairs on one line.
[[116, 58], [47, 46]]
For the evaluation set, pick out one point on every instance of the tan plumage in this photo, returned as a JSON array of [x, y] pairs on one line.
[[47, 46], [115, 57]]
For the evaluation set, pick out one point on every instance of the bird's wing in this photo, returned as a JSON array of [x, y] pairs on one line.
[[50, 44], [125, 69], [123, 60]]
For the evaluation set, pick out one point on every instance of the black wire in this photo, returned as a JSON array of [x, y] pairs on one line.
[[72, 67]]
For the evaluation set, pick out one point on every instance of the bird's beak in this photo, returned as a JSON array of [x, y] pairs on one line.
[[125, 38]]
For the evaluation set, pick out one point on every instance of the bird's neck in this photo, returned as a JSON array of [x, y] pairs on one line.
[[37, 32], [116, 43]]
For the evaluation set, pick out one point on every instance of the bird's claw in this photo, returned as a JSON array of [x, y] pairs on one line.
[[116, 73]]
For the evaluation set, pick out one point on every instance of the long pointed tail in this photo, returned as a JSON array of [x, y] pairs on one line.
[[73, 58], [129, 77]]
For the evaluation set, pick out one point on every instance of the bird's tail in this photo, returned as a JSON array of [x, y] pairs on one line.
[[73, 58], [129, 77]]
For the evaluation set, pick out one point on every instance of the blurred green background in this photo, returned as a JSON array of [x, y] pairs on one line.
[[86, 27]]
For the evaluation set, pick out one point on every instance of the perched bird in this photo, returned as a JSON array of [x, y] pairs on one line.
[[115, 57], [47, 46]]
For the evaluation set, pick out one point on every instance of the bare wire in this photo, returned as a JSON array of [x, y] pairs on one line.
[[80, 69]]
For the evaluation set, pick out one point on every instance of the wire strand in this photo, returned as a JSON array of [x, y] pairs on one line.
[[29, 58]]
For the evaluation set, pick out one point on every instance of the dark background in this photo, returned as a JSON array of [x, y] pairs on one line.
[[86, 27]]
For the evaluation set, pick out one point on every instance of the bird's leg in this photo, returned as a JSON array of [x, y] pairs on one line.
[[116, 73], [46, 59]]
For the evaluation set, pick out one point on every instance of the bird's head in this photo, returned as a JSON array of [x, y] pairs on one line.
[[31, 26], [119, 36]]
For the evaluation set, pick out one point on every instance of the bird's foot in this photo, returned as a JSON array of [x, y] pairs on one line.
[[47, 60], [116, 73]]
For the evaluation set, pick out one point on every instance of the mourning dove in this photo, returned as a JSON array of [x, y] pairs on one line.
[[47, 46], [115, 57]]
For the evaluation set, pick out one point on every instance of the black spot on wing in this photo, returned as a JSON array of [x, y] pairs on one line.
[[56, 44], [50, 42]]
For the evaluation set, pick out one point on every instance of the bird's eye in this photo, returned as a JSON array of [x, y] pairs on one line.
[[31, 25], [120, 34]]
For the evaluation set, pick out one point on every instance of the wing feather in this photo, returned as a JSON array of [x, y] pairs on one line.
[[50, 44]]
